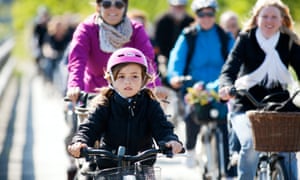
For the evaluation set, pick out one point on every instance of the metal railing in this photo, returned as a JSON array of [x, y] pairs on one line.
[[6, 63]]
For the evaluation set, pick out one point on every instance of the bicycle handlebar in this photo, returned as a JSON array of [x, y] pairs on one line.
[[120, 156], [234, 92], [262, 105], [184, 78]]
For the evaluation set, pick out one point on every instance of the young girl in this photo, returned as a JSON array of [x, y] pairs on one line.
[[125, 113]]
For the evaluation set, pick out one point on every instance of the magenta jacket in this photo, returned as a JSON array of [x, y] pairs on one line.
[[87, 61]]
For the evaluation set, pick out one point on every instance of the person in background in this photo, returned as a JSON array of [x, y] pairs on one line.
[[54, 44], [166, 31], [141, 17], [264, 49], [126, 113], [211, 46], [138, 15], [229, 21], [39, 32], [96, 38]]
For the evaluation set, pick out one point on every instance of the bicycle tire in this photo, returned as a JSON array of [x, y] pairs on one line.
[[278, 171], [212, 170]]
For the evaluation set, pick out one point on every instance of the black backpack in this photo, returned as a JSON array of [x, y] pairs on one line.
[[191, 33]]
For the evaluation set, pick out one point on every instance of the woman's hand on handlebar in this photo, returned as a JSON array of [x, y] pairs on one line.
[[177, 81], [224, 93], [73, 93], [74, 149], [175, 145]]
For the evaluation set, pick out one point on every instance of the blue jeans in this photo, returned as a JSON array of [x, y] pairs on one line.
[[248, 159]]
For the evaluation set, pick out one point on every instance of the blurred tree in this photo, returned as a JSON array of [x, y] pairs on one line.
[[23, 11]]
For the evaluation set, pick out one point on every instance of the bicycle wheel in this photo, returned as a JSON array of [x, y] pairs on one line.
[[278, 171], [210, 143]]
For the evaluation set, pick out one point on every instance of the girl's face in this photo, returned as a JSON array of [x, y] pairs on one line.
[[269, 20], [129, 80], [112, 11]]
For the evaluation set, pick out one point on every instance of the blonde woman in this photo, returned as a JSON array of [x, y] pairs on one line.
[[264, 50]]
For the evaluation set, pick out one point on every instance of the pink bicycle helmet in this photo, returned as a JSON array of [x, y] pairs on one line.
[[126, 55]]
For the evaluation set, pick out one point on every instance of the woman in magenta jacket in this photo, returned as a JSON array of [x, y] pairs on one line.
[[94, 41]]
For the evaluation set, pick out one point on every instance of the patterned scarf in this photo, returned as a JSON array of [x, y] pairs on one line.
[[112, 38]]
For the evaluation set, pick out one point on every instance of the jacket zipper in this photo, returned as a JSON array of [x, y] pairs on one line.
[[131, 114]]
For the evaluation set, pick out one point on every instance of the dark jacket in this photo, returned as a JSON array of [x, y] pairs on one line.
[[130, 124], [167, 31], [246, 56]]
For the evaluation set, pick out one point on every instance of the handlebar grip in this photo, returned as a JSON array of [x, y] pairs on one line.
[[83, 152], [185, 78], [81, 100], [164, 149], [233, 91], [67, 99], [182, 150], [168, 150]]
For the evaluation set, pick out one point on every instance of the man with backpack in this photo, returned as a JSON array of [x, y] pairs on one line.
[[200, 51]]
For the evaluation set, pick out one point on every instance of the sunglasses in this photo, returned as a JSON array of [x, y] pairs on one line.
[[205, 14], [108, 4]]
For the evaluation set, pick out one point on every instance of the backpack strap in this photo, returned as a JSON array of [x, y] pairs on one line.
[[191, 32], [224, 38]]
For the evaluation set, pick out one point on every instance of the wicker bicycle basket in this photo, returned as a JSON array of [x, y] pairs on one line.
[[275, 131]]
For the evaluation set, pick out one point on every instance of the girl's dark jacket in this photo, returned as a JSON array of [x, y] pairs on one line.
[[246, 56], [131, 124]]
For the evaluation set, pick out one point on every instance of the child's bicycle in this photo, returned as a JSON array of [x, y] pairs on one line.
[[129, 167], [273, 132]]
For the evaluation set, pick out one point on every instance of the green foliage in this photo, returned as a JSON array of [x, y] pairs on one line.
[[24, 11]]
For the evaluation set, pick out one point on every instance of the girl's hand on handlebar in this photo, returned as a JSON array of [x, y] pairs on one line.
[[73, 93], [175, 145], [224, 93], [74, 149]]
